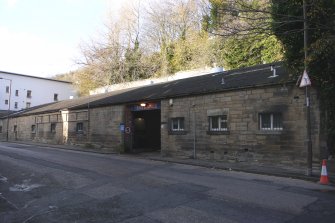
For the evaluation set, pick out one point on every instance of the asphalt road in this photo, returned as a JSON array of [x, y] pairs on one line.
[[41, 184]]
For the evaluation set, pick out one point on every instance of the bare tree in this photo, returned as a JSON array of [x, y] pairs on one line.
[[156, 38]]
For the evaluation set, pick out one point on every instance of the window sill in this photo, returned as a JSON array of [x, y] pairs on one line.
[[269, 132], [177, 132], [218, 132]]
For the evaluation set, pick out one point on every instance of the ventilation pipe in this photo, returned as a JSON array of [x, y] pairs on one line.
[[273, 69]]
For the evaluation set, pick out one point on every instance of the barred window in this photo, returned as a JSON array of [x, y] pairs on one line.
[[33, 128], [177, 124], [270, 121], [218, 123], [79, 127], [53, 127]]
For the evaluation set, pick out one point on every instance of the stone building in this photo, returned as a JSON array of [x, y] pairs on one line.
[[250, 114]]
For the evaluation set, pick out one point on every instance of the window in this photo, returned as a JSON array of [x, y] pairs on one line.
[[0, 128], [6, 102], [15, 128], [270, 121], [28, 104], [218, 123], [28, 93], [53, 127], [15, 105], [80, 127], [33, 128], [177, 124], [55, 97], [16, 92], [7, 89]]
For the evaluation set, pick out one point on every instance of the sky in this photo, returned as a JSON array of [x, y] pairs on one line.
[[42, 37]]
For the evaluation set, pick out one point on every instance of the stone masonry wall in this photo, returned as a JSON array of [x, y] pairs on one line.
[[105, 127], [34, 128], [100, 128], [244, 141]]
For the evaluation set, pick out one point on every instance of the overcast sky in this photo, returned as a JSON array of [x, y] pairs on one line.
[[41, 37]]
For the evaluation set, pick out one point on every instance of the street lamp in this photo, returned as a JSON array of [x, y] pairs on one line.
[[8, 111]]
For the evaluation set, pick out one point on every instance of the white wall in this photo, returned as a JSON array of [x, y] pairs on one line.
[[42, 90], [140, 83]]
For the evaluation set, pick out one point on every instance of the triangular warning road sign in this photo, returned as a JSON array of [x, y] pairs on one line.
[[305, 81]]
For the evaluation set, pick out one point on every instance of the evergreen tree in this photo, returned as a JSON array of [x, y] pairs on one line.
[[288, 27], [246, 31]]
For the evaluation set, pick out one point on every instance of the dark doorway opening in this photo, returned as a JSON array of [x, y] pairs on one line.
[[147, 130]]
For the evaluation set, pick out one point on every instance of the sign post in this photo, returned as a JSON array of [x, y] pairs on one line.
[[305, 82]]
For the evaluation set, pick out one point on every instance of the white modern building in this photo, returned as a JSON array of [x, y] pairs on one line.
[[19, 91]]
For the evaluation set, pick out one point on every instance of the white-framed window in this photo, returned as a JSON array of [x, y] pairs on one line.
[[79, 127], [7, 89], [6, 102], [16, 92], [270, 121], [16, 105], [177, 124], [218, 123], [28, 104]]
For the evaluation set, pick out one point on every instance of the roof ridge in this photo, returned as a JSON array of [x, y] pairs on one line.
[[31, 76], [250, 70]]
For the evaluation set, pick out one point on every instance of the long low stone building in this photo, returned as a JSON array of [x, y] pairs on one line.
[[250, 114]]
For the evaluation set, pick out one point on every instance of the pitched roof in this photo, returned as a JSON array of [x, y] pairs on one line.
[[260, 75], [29, 76]]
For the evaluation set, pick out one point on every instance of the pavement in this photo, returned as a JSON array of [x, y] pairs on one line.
[[271, 169]]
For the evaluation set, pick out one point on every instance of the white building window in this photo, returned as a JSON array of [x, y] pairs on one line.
[[55, 97], [16, 105], [6, 102], [218, 123], [28, 93], [28, 104], [16, 92], [7, 89], [270, 121], [177, 124]]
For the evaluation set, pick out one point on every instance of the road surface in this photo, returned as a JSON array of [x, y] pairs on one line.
[[41, 184]]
